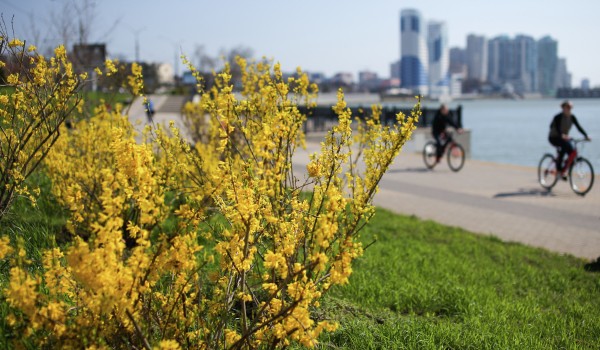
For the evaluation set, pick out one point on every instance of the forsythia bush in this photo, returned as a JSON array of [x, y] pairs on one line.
[[215, 245], [43, 94]]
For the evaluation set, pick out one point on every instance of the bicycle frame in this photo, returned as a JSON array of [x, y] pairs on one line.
[[571, 156], [446, 140]]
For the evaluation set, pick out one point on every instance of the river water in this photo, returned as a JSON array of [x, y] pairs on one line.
[[516, 131]]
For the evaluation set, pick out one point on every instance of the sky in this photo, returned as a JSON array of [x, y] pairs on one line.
[[327, 36]]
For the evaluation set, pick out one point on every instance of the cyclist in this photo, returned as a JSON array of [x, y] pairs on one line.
[[559, 134], [441, 121]]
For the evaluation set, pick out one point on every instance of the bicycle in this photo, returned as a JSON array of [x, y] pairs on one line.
[[455, 153], [580, 171]]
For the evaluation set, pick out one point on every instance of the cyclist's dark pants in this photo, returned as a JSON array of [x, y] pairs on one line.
[[565, 147], [440, 144]]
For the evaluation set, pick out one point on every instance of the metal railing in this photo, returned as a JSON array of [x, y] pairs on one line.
[[321, 118]]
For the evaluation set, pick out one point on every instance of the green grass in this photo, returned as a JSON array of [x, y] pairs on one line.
[[421, 285], [427, 286]]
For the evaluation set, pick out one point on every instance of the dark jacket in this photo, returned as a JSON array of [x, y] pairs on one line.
[[441, 122], [557, 129]]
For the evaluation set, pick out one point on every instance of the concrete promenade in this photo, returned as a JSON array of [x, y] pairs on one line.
[[502, 200], [486, 198]]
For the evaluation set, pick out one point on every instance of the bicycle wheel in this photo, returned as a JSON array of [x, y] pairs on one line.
[[581, 176], [547, 175], [429, 154], [456, 156]]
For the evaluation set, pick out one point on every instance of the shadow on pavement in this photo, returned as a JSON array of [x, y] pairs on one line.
[[525, 193], [409, 170]]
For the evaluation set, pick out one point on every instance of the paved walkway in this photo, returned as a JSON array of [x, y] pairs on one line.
[[493, 199], [496, 199]]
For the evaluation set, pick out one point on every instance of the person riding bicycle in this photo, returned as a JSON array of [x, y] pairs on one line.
[[559, 133], [441, 121]]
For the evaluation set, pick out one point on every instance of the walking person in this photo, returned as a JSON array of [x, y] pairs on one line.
[[149, 110], [559, 134]]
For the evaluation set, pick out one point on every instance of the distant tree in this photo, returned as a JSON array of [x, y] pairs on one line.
[[207, 65], [204, 62], [70, 22], [229, 57]]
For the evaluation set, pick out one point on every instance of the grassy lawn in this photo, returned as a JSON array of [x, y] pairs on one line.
[[427, 286], [422, 285]]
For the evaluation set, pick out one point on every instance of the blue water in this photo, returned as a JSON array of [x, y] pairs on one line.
[[516, 131]]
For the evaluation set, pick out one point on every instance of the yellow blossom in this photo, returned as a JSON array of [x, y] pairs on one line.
[[15, 42]]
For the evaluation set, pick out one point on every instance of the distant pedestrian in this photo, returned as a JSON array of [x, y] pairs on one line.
[[559, 133], [442, 120], [149, 110]]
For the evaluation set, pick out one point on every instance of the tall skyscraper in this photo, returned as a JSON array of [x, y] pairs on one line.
[[413, 52], [527, 56], [513, 63], [501, 65], [477, 58], [458, 61], [563, 77], [547, 65], [439, 59]]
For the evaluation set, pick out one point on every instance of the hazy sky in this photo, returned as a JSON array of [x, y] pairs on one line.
[[327, 36]]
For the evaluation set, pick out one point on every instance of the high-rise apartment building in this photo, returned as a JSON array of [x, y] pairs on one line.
[[439, 59], [526, 60], [458, 60], [518, 65], [513, 63], [563, 77], [503, 67], [476, 56], [413, 52], [395, 70], [547, 65], [494, 59]]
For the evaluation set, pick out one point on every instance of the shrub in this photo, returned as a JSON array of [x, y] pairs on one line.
[[248, 271], [45, 93]]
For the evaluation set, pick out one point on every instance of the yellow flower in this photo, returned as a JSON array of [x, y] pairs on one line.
[[15, 42], [314, 169], [13, 79], [5, 247], [168, 345]]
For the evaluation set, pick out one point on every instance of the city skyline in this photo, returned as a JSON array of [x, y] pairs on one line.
[[327, 37]]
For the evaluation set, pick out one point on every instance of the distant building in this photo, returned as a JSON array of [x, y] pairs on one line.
[[547, 65], [165, 74], [368, 81], [342, 79], [414, 54], [392, 83], [476, 57], [498, 59], [439, 59], [456, 81], [513, 64], [563, 77], [526, 61], [395, 70], [585, 84], [457, 61], [316, 77], [188, 78]]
